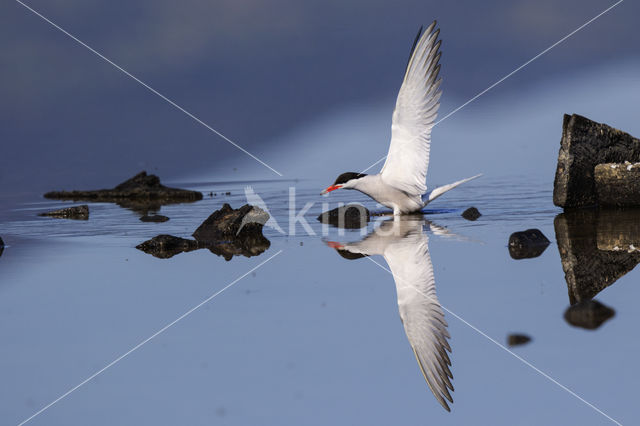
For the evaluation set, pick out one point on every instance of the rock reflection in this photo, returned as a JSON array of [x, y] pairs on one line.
[[351, 216], [589, 314], [517, 339], [596, 247], [527, 244], [166, 246], [405, 246]]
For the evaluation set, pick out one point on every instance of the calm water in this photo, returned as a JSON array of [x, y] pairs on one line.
[[310, 337]]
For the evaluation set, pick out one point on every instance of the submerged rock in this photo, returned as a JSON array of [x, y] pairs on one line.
[[584, 145], [154, 218], [76, 213], [589, 314], [587, 241], [527, 244], [227, 232], [518, 339], [141, 193], [351, 216], [471, 214]]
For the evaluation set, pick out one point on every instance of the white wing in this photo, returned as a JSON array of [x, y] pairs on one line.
[[420, 311], [405, 247], [389, 232], [414, 116]]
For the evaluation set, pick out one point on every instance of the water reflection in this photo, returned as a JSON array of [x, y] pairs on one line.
[[596, 247], [527, 244], [351, 216], [588, 314], [166, 246], [405, 246]]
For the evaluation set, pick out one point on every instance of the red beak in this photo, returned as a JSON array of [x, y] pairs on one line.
[[335, 245], [331, 188]]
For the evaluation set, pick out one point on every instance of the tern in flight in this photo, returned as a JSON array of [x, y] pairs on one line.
[[405, 247], [401, 184]]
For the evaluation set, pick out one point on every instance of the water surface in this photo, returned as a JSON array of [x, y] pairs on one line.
[[309, 337]]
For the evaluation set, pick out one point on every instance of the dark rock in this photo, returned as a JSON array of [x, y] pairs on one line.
[[596, 248], [232, 223], [232, 232], [471, 214], [618, 184], [517, 339], [527, 244], [1, 246], [154, 218], [227, 193], [76, 212], [589, 314], [584, 145], [166, 246], [227, 232], [351, 216], [142, 193]]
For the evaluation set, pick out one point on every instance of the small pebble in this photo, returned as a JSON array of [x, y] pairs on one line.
[[471, 213]]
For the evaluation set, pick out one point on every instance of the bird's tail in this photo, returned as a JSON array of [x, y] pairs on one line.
[[435, 193]]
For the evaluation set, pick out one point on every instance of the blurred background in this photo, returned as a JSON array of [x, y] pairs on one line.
[[309, 87]]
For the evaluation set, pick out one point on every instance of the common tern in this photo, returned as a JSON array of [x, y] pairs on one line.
[[401, 184]]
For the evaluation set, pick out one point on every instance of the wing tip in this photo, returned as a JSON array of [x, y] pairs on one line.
[[422, 33], [413, 46]]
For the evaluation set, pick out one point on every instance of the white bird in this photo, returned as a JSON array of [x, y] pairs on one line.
[[401, 184], [405, 247]]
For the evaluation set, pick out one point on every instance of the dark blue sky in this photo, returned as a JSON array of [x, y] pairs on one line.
[[253, 70]]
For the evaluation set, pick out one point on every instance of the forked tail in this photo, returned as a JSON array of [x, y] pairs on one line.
[[435, 193]]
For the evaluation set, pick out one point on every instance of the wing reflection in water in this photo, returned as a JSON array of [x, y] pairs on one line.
[[597, 247], [405, 246]]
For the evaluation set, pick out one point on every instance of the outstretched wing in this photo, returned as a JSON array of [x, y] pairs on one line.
[[414, 116], [420, 311]]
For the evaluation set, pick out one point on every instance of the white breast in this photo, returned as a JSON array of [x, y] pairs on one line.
[[387, 195]]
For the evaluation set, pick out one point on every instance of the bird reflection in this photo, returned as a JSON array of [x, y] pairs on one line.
[[404, 245]]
